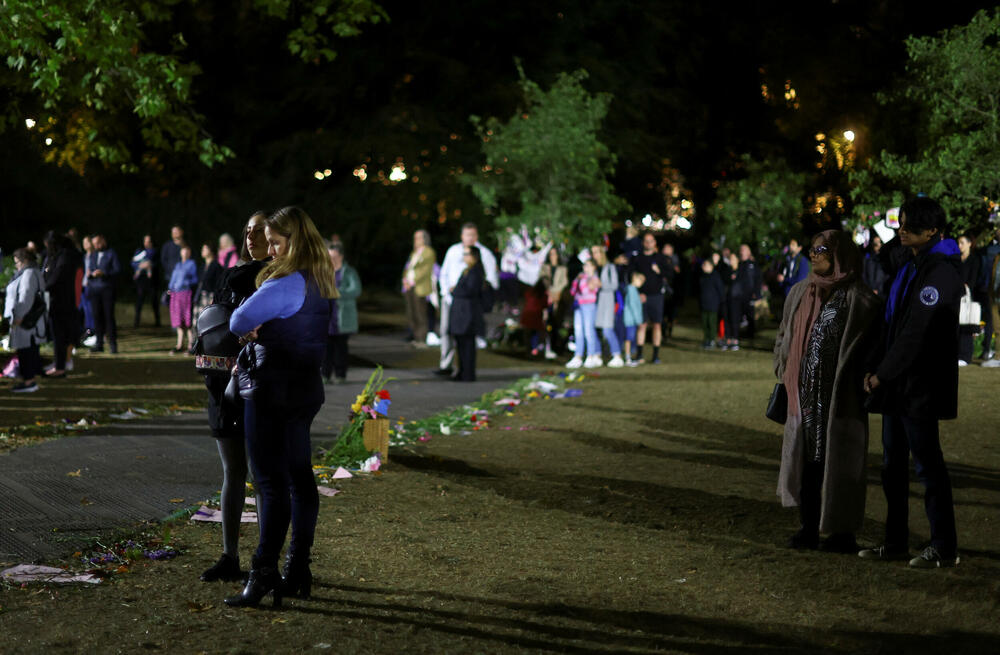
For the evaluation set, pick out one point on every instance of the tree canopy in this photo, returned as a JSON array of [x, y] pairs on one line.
[[546, 169], [763, 207], [952, 90], [112, 81]]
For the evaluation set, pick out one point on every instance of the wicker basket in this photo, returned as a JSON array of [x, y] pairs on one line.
[[376, 436]]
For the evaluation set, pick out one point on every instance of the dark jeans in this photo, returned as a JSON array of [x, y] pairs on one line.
[[465, 344], [281, 461], [335, 361], [65, 331], [900, 437], [146, 288], [29, 362], [102, 302]]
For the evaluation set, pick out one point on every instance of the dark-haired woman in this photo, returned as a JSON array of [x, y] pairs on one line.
[[828, 328], [284, 324], [225, 416], [59, 271], [968, 269], [209, 279], [466, 318]]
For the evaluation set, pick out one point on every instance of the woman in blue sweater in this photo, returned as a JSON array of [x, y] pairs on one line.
[[284, 325], [183, 280]]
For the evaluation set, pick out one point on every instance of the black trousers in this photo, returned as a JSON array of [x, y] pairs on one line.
[[29, 362], [65, 329], [145, 288], [901, 436], [335, 361], [102, 301], [734, 314], [810, 496], [465, 345]]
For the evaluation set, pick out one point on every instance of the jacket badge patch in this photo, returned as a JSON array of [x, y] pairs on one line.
[[929, 296]]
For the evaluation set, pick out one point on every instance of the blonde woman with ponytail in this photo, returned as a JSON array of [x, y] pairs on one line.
[[284, 325]]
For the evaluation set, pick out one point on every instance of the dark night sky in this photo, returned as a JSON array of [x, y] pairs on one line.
[[686, 78]]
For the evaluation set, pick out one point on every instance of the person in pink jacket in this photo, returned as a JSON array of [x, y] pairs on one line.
[[584, 291]]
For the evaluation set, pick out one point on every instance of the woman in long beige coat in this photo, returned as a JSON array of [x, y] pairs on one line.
[[828, 326], [418, 285]]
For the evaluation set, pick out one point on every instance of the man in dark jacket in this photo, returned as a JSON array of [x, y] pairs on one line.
[[794, 269], [653, 265], [104, 268], [914, 381], [751, 274]]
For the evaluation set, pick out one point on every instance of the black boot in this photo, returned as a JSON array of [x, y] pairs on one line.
[[296, 577], [227, 568], [263, 581]]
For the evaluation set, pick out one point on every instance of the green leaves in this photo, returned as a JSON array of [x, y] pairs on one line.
[[92, 62], [763, 207], [954, 78], [545, 168]]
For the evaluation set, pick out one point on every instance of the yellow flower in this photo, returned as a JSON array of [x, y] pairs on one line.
[[356, 407]]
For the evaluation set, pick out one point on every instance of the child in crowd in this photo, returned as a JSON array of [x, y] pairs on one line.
[[584, 292], [712, 293], [632, 315]]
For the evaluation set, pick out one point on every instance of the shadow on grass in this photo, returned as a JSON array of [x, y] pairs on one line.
[[632, 502], [625, 447], [588, 630]]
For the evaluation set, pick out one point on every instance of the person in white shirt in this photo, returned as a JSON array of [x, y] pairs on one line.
[[451, 270]]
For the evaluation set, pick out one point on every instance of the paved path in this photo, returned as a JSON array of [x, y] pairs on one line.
[[54, 493]]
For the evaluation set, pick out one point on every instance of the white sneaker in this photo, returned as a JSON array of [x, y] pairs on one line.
[[991, 363], [616, 362], [480, 343], [550, 354], [90, 341], [593, 361], [962, 363], [432, 339], [50, 367], [576, 362]]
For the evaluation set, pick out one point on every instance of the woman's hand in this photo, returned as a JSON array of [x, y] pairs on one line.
[[249, 336], [871, 382]]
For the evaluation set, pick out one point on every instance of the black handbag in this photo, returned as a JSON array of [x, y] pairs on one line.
[[36, 312], [777, 404]]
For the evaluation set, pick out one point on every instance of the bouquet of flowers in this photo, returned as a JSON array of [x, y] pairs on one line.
[[372, 403]]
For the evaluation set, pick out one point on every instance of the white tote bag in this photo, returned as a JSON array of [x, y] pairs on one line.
[[969, 311]]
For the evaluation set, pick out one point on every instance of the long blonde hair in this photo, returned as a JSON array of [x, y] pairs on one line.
[[306, 251]]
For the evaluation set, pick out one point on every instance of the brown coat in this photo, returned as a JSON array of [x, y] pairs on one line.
[[844, 480]]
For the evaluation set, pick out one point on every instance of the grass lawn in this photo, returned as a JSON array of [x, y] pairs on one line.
[[642, 518]]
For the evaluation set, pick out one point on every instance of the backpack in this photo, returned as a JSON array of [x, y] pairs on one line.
[[36, 312], [216, 347]]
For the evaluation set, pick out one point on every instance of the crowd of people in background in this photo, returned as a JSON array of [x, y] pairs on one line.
[[605, 305], [79, 280]]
